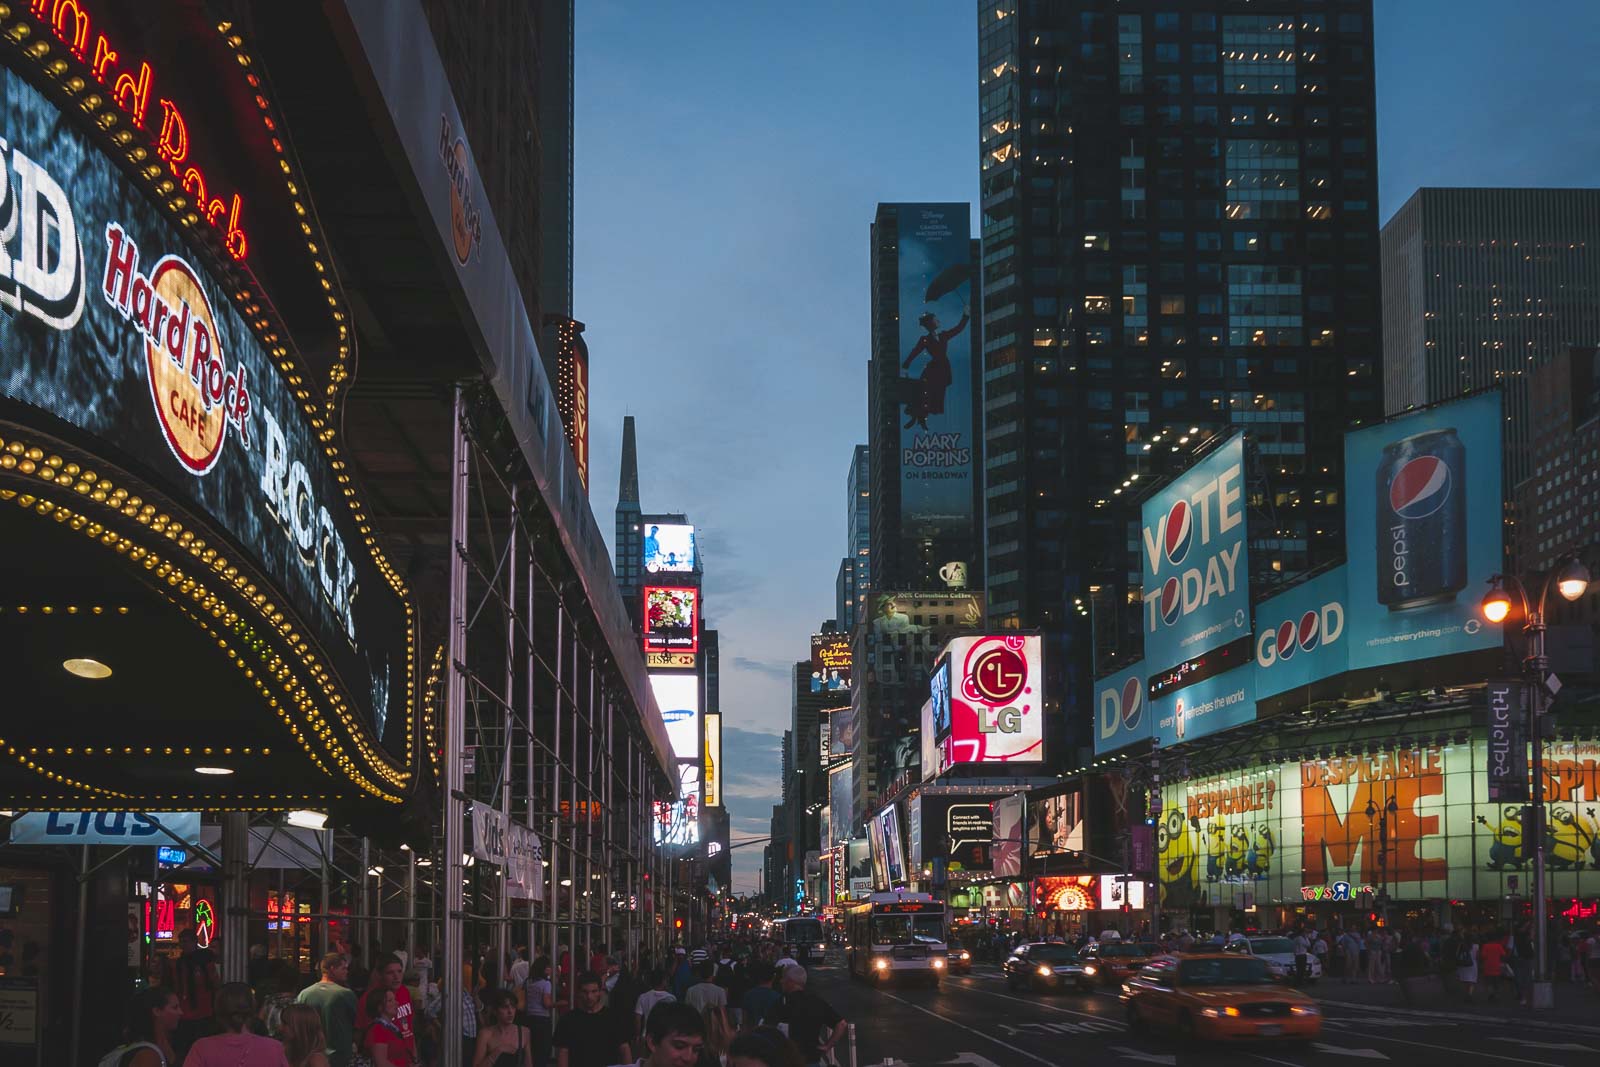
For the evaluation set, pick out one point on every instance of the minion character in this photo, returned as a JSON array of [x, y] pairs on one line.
[[1216, 850], [1262, 846], [1507, 848], [1568, 839], [1178, 869], [1594, 835], [1238, 851]]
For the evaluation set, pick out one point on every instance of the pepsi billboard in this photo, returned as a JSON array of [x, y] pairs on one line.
[[1121, 714], [1205, 707], [1300, 635], [1423, 529], [1194, 559]]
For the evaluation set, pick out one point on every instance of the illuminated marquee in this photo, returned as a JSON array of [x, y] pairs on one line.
[[130, 86]]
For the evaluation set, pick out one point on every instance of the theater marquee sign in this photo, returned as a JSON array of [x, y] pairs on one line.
[[122, 340]]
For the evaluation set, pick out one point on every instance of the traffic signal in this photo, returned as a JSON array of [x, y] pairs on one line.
[[677, 924]]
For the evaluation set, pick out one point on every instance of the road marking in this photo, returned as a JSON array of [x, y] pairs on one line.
[[1339, 1050], [1269, 1059], [1143, 1057], [1451, 1016], [1046, 1007], [1566, 1047], [968, 1029], [1464, 1051]]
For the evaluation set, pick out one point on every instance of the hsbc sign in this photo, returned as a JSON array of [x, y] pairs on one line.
[[1193, 536]]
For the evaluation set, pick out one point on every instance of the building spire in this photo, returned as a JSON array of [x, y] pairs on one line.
[[628, 487]]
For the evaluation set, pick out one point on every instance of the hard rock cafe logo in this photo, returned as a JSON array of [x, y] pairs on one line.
[[197, 397], [466, 225]]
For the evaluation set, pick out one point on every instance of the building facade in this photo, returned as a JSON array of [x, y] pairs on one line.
[[1179, 215], [1480, 288]]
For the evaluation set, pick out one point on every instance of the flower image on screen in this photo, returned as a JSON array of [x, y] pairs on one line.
[[671, 618]]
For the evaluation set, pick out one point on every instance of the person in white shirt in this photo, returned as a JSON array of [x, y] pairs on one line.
[[705, 994], [656, 994]]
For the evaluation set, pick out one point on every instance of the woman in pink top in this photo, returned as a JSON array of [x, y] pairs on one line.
[[235, 1046]]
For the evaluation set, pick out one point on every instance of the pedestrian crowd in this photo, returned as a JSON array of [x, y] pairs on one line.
[[719, 1005]]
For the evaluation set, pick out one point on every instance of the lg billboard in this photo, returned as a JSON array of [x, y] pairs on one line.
[[994, 687]]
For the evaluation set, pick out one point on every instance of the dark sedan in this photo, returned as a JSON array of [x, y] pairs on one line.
[[1044, 965]]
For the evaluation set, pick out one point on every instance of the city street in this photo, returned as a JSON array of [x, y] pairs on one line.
[[976, 1020]]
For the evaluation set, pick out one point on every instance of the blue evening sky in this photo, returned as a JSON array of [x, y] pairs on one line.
[[729, 160]]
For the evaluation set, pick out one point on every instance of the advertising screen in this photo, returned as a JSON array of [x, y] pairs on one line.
[[117, 324], [1206, 707], [841, 735], [996, 700], [958, 828], [1121, 709], [932, 765], [1196, 565], [894, 851], [671, 618], [1114, 893], [914, 613], [830, 663], [880, 859], [936, 405], [1005, 852], [839, 799], [1423, 519], [1056, 824], [677, 823], [1300, 635], [860, 866], [939, 694], [1416, 823], [678, 697], [668, 548], [713, 761]]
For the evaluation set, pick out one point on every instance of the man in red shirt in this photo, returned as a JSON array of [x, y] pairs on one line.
[[389, 975]]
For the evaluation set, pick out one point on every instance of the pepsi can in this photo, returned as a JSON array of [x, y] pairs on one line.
[[1422, 520]]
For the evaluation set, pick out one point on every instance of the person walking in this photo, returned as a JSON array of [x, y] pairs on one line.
[[501, 1041], [236, 1046], [1302, 952], [705, 994], [646, 1002], [763, 1047], [1467, 965], [391, 976], [588, 1036], [1491, 964], [538, 1002], [196, 977], [382, 1041], [760, 998], [676, 1037], [153, 1018], [814, 1026], [336, 1005], [1350, 953], [305, 1044]]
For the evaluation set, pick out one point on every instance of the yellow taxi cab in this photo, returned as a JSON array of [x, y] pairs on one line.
[[1218, 997]]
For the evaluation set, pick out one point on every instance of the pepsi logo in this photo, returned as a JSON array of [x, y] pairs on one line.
[[1132, 702], [1309, 631], [1420, 487], [1171, 600], [1179, 532], [1286, 639]]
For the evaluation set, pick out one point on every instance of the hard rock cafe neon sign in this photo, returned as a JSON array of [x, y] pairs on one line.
[[129, 86]]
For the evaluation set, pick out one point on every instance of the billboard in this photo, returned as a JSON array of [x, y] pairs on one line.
[[859, 867], [841, 733], [1114, 893], [677, 823], [713, 761], [1300, 635], [1056, 824], [1194, 559], [937, 418], [830, 663], [1220, 702], [1005, 850], [1423, 520], [1416, 823], [840, 800], [671, 618], [880, 862], [915, 613], [939, 694], [889, 854], [668, 548], [678, 697], [931, 764], [958, 828], [1122, 710], [996, 700]]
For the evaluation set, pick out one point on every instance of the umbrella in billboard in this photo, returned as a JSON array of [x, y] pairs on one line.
[[948, 281]]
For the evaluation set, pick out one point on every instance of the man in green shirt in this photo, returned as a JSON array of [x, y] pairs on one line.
[[337, 1006]]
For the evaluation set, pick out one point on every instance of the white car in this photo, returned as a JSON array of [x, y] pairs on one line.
[[1277, 953]]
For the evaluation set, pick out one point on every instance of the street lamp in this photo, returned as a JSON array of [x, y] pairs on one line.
[[1571, 580]]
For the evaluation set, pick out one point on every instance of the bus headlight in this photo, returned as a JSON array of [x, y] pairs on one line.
[[938, 963], [880, 964]]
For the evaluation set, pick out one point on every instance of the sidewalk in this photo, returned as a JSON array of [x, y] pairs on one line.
[[1573, 1003]]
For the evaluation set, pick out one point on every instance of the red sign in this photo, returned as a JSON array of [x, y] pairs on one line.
[[130, 86]]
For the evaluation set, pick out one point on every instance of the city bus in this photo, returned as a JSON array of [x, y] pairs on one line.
[[802, 937], [896, 936]]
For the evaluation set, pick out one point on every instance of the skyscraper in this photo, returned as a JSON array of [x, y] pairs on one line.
[[855, 570], [1480, 288], [1180, 237], [628, 543]]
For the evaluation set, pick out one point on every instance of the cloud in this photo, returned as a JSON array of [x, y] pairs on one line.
[[772, 670]]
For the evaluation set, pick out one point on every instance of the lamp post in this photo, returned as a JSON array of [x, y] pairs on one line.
[[1571, 580]]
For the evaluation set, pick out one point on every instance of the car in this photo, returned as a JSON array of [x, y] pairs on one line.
[[1043, 965], [959, 960], [1277, 953], [1218, 996], [1110, 963]]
